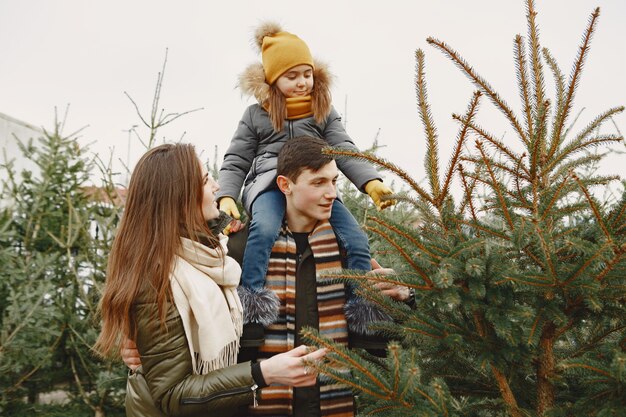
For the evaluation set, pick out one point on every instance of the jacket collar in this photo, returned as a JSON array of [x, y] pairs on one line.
[[252, 80]]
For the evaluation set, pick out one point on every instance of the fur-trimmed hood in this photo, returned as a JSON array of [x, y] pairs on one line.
[[252, 81]]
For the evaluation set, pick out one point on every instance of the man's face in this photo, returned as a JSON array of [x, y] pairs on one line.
[[311, 197]]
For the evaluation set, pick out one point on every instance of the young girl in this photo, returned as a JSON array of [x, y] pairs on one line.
[[171, 289], [293, 94]]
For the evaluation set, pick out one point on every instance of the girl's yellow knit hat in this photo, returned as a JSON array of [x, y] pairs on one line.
[[280, 50]]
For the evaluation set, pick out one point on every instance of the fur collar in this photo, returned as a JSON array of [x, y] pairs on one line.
[[252, 81]]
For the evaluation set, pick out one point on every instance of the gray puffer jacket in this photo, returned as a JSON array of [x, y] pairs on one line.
[[251, 158]]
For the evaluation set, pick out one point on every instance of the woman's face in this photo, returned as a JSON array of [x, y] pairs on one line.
[[296, 82], [209, 188]]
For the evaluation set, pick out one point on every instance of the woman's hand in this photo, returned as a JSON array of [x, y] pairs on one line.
[[130, 354], [290, 368]]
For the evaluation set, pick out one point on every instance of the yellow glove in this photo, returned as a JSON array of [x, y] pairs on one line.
[[228, 206], [376, 189]]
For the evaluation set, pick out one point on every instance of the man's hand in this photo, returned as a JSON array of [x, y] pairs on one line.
[[397, 292], [376, 189], [229, 206], [130, 354]]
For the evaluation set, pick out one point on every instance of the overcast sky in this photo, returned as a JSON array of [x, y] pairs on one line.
[[87, 53]]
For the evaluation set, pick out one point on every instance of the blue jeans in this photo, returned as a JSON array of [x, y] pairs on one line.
[[268, 211]]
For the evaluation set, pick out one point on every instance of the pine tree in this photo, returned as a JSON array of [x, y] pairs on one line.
[[54, 237], [520, 293]]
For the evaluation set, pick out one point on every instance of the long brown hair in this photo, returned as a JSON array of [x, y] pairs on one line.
[[164, 202], [277, 104]]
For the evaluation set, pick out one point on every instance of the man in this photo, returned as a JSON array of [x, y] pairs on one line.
[[294, 297]]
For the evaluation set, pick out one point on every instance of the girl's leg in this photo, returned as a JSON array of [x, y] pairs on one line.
[[267, 215], [351, 237]]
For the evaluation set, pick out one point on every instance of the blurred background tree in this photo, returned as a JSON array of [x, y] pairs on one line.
[[56, 230], [55, 234]]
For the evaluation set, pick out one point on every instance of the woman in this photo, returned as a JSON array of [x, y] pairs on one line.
[[171, 288]]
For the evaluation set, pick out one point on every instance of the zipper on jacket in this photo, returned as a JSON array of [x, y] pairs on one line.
[[290, 125], [254, 389], [298, 262], [227, 393]]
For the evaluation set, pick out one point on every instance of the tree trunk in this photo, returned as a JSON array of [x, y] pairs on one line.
[[98, 412], [545, 369]]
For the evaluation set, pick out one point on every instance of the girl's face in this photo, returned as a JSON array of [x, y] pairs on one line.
[[296, 82], [209, 205]]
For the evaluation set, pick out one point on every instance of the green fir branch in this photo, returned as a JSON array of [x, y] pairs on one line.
[[491, 140], [537, 144], [618, 214], [571, 164], [611, 264], [546, 251], [513, 172], [407, 236], [484, 228], [460, 140], [348, 359], [594, 208], [576, 73], [430, 130], [556, 196], [496, 187], [594, 369], [403, 253], [559, 81], [587, 263], [486, 207], [465, 247], [597, 122], [522, 82], [469, 190], [521, 196], [533, 281], [383, 163], [574, 147], [425, 211], [533, 335], [536, 65], [480, 83]]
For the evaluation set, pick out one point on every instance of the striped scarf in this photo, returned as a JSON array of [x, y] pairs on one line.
[[336, 400]]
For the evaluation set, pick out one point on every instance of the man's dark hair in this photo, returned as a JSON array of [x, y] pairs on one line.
[[298, 154]]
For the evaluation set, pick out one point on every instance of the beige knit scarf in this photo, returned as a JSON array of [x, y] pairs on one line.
[[204, 285]]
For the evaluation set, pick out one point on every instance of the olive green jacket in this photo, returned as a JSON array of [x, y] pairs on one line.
[[165, 385]]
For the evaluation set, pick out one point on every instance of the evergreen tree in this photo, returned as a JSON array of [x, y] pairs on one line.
[[54, 238], [519, 294]]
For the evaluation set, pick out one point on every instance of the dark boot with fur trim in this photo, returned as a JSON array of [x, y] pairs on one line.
[[360, 314]]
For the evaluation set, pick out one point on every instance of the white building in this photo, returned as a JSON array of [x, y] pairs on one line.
[[12, 130]]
